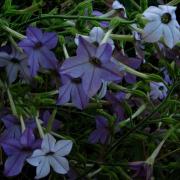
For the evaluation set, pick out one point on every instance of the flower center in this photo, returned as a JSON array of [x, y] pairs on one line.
[[49, 153], [15, 60], [95, 61], [166, 18], [161, 88], [76, 80], [38, 45]]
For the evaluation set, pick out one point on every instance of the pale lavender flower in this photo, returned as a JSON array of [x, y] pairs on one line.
[[51, 154], [37, 45], [15, 62], [93, 64], [158, 90], [162, 24], [18, 150]]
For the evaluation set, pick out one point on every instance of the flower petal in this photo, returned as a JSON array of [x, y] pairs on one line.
[[27, 139], [34, 34], [48, 143], [96, 34], [63, 147], [50, 39], [15, 163], [59, 164]]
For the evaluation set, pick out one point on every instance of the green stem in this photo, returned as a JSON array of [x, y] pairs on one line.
[[136, 5], [13, 33], [23, 127], [13, 107], [108, 33], [90, 18], [41, 133], [51, 120], [31, 9], [173, 2], [128, 38], [153, 156], [137, 113], [65, 51]]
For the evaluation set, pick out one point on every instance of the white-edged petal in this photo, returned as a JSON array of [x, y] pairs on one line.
[[153, 10], [117, 5], [63, 147], [59, 164], [43, 168], [96, 34], [168, 36], [76, 40], [36, 158], [152, 31], [48, 143]]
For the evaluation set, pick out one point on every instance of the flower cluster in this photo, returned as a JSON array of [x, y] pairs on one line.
[[100, 77]]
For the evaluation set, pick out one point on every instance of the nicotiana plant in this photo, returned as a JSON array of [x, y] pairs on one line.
[[89, 89]]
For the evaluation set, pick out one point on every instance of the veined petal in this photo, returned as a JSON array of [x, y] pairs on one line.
[[48, 143], [36, 158], [92, 81], [74, 66], [63, 147], [59, 164], [96, 34], [27, 139], [85, 48], [34, 34], [64, 94], [153, 10], [104, 53], [33, 63], [152, 31], [50, 39], [43, 168], [168, 36], [15, 163], [12, 71]]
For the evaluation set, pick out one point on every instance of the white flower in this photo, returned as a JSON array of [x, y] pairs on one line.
[[96, 35], [117, 5], [51, 154], [158, 90], [162, 24]]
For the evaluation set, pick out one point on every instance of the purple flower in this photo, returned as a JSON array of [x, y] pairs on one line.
[[18, 150], [102, 132], [116, 101], [93, 64], [72, 90], [46, 117], [13, 127], [37, 46], [14, 63], [142, 169], [167, 78], [131, 62], [158, 90]]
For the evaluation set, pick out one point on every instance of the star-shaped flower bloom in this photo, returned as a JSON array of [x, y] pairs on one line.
[[93, 64], [116, 101], [38, 47], [51, 154], [96, 35], [158, 90], [162, 24], [101, 133], [14, 63], [18, 150], [72, 90]]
